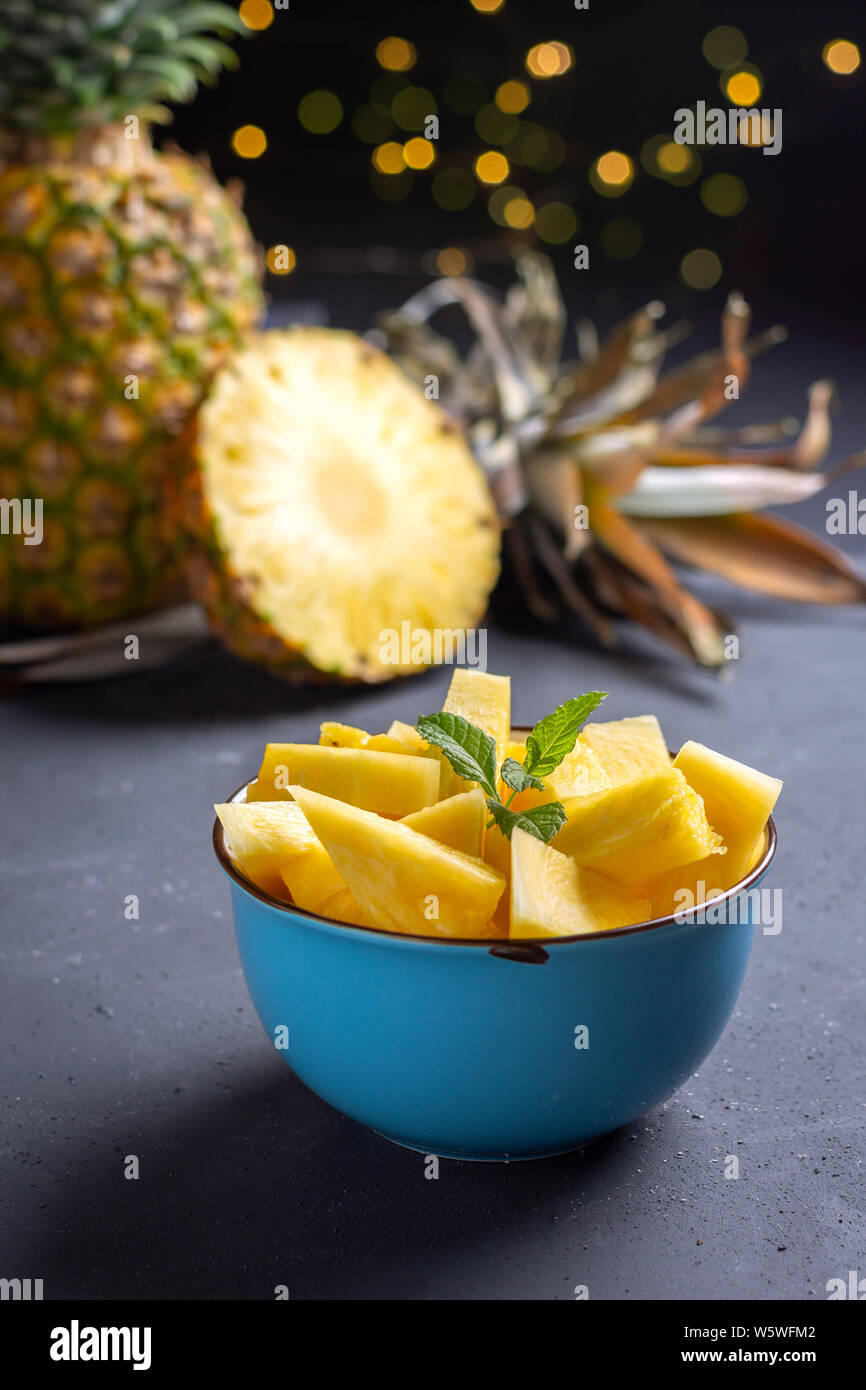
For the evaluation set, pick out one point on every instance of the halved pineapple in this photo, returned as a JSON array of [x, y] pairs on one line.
[[738, 801], [553, 896], [338, 508], [458, 821], [628, 748], [403, 880], [639, 828], [392, 784]]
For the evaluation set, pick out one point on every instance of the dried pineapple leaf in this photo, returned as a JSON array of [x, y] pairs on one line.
[[708, 491], [763, 553]]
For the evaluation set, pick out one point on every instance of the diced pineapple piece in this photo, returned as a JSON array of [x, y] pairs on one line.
[[638, 828], [333, 735], [275, 845], [408, 734], [458, 822], [403, 880], [485, 701], [497, 853], [738, 801], [256, 838], [628, 748], [553, 896], [392, 784], [579, 774]]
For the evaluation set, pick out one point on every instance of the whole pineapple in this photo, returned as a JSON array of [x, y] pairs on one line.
[[126, 277]]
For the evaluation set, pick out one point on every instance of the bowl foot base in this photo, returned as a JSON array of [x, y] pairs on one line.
[[465, 1157]]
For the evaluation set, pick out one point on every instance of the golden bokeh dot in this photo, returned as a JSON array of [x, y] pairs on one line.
[[419, 153], [388, 158], [281, 259], [673, 158], [487, 6], [452, 261], [320, 112], [249, 141], [411, 106], [555, 223], [549, 59], [724, 194], [742, 88], [519, 213], [612, 173], [701, 269], [512, 97], [256, 14], [841, 56], [492, 167], [453, 189], [725, 46], [396, 55]]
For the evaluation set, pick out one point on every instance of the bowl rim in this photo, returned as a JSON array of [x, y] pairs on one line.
[[489, 943]]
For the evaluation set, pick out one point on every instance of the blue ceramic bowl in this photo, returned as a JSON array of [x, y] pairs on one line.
[[477, 1049]]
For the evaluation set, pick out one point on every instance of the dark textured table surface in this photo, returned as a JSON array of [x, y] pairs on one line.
[[137, 1037]]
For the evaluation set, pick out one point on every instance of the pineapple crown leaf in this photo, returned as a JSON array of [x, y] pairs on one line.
[[80, 63]]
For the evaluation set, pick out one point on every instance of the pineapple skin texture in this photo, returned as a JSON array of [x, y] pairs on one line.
[[140, 275]]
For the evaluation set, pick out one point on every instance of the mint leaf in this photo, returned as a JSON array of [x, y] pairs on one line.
[[470, 751], [514, 775], [554, 736], [541, 821]]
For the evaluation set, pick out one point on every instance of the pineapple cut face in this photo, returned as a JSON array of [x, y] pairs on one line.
[[458, 821], [404, 881], [334, 735], [553, 896], [628, 748], [639, 828], [345, 508], [738, 801], [579, 774], [484, 700], [391, 784]]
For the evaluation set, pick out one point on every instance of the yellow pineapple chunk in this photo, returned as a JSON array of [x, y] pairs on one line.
[[485, 701], [628, 748], [579, 774], [408, 734], [404, 881], [392, 784], [553, 896], [738, 801], [639, 828], [497, 853], [458, 821], [255, 839], [334, 735], [275, 845]]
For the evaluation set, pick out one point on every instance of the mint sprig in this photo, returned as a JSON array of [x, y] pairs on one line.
[[472, 754]]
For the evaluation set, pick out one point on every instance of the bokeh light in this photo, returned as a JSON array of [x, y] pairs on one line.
[[452, 261], [256, 14], [419, 153], [512, 97], [725, 46], [841, 56], [621, 238], [724, 194], [665, 159], [492, 167], [396, 55], [701, 269], [612, 173], [453, 189], [388, 158], [519, 213], [372, 123], [281, 259], [249, 141], [411, 107], [555, 223], [549, 59], [487, 6], [320, 112], [742, 88], [494, 127], [673, 158]]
